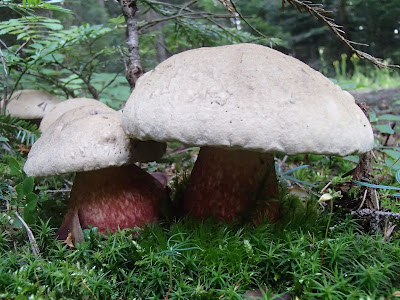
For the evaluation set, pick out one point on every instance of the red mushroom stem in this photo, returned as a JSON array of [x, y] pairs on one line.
[[112, 198], [232, 184]]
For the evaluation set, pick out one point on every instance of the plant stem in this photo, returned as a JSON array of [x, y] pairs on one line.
[[326, 233]]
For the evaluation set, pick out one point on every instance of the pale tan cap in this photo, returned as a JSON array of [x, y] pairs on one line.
[[31, 104], [87, 138], [64, 106], [246, 96]]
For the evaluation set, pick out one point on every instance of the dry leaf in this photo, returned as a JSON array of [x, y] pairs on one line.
[[396, 294], [69, 241]]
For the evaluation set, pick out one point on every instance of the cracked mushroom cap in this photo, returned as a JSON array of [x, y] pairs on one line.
[[31, 104], [65, 106], [246, 96], [87, 138]]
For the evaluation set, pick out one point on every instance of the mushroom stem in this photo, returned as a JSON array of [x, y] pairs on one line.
[[232, 184], [112, 198]]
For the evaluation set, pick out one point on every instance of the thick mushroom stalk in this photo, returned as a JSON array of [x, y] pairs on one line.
[[112, 198], [232, 184]]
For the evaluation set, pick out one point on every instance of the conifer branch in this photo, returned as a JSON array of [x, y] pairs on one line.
[[317, 10]]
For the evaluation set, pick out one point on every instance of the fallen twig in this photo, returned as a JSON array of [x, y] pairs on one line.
[[32, 241], [366, 212]]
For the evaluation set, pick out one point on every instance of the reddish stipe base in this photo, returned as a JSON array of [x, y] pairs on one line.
[[112, 198], [232, 184]]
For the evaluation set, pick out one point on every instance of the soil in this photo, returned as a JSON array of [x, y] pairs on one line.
[[381, 100]]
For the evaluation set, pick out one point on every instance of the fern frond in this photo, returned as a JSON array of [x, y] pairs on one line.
[[317, 10], [23, 131]]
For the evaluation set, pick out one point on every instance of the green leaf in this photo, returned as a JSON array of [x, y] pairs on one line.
[[376, 186], [14, 166], [392, 163], [398, 176], [20, 191], [54, 26], [372, 116], [352, 158], [28, 185], [3, 139], [299, 181], [392, 153], [31, 201], [294, 169], [389, 118], [30, 208], [384, 128], [22, 130]]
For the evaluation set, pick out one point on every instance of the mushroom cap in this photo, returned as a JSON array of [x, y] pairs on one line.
[[87, 138], [246, 96], [31, 104], [64, 106]]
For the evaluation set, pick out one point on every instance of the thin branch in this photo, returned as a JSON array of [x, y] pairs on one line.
[[90, 87], [109, 83], [67, 92], [209, 18], [5, 46], [32, 241], [248, 24], [191, 15], [187, 5], [29, 65], [319, 12], [22, 46]]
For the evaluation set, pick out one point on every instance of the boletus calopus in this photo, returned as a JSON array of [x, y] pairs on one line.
[[59, 109], [241, 104], [109, 191], [31, 105]]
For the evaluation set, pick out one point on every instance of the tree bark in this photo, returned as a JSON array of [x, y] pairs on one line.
[[133, 67]]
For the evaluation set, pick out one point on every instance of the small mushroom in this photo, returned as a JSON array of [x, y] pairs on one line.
[[31, 104], [64, 106], [241, 104], [109, 191]]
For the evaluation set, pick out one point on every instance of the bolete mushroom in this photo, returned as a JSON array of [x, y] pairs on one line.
[[31, 104], [109, 191], [64, 106], [241, 104]]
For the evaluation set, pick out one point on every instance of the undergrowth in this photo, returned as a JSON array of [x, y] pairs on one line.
[[192, 260]]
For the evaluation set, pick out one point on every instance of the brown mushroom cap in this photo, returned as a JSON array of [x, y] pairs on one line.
[[64, 106], [87, 138], [31, 104], [249, 97]]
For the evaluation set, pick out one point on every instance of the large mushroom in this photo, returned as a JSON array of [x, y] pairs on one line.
[[241, 104], [58, 110], [109, 191], [31, 104]]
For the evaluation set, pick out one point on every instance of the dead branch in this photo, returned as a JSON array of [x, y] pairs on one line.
[[32, 241], [376, 214], [191, 15], [319, 12], [90, 87]]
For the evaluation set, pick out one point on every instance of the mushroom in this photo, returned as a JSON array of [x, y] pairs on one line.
[[31, 104], [64, 106], [241, 104], [109, 191]]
